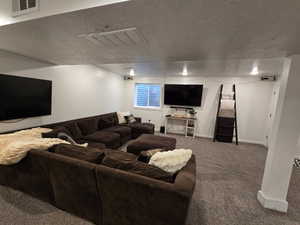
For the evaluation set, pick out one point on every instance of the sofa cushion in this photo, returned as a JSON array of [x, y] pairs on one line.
[[73, 129], [106, 122], [154, 172], [119, 160], [141, 128], [128, 162], [110, 139], [87, 154], [54, 133], [123, 131], [88, 126], [149, 141]]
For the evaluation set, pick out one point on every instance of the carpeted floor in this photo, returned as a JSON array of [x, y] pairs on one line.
[[228, 178]]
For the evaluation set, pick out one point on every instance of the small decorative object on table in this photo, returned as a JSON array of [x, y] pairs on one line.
[[192, 112]]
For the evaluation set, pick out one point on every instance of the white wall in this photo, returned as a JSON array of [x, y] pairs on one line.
[[48, 8], [253, 103], [78, 91]]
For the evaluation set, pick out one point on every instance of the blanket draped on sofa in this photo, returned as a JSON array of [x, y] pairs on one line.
[[14, 146]]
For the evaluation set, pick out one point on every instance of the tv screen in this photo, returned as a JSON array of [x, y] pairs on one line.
[[22, 97], [183, 95]]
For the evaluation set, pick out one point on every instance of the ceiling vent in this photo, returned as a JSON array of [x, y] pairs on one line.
[[21, 7], [118, 38]]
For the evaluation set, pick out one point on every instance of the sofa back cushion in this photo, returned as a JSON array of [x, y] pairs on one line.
[[88, 126], [54, 133], [128, 162], [92, 155], [74, 130], [107, 120], [119, 160]]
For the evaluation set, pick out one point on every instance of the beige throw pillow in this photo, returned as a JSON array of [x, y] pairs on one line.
[[121, 116]]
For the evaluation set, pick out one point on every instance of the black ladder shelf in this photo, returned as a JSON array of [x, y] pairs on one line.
[[226, 120]]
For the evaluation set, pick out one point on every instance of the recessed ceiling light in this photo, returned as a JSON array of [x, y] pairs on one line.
[[254, 71], [132, 73], [184, 71]]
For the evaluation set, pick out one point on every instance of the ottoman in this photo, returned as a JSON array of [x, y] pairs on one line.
[[150, 141]]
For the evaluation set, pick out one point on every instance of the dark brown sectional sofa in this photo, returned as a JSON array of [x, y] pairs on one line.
[[104, 129], [98, 193]]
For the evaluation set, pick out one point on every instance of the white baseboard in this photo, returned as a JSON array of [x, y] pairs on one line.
[[252, 142], [204, 136], [270, 203], [240, 140]]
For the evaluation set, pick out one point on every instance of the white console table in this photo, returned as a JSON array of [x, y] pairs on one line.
[[190, 124]]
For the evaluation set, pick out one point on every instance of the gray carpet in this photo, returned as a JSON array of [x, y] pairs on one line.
[[228, 178]]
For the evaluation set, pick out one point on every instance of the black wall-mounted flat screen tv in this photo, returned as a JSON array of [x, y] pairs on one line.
[[22, 97], [183, 95]]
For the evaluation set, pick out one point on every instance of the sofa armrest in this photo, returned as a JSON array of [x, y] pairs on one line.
[[186, 179], [142, 200]]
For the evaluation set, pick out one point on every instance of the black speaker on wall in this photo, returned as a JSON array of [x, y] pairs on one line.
[[162, 129]]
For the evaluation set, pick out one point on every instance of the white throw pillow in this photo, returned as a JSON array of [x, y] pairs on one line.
[[121, 116], [171, 161]]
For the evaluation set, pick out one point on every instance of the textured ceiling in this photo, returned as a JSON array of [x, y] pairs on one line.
[[204, 31]]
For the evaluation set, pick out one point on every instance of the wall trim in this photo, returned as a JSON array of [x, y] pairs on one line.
[[253, 142], [270, 203]]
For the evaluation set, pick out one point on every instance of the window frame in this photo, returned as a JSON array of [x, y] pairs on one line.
[[147, 107], [16, 11]]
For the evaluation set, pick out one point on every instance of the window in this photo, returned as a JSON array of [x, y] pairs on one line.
[[21, 7], [147, 95]]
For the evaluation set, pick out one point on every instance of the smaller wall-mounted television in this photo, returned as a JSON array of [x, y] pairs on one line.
[[22, 97], [183, 94]]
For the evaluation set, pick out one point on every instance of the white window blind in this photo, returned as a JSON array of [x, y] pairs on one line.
[[147, 95]]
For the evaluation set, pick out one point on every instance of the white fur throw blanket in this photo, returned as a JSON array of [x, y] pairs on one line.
[[14, 147], [171, 161]]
